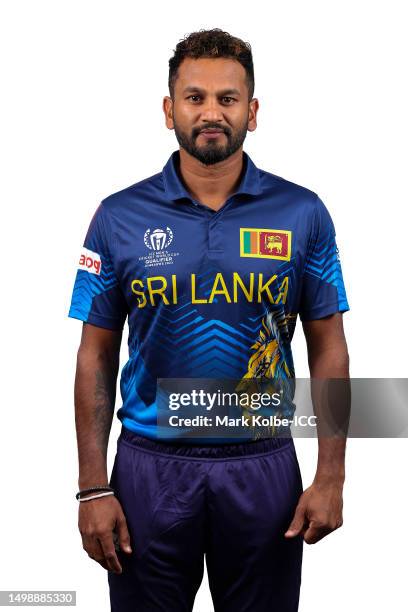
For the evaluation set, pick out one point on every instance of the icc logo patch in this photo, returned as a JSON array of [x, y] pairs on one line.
[[157, 242], [269, 243], [158, 239]]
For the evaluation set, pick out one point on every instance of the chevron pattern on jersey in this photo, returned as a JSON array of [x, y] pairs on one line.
[[212, 347], [324, 264]]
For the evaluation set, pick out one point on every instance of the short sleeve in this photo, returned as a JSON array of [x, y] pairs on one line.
[[97, 297], [323, 292]]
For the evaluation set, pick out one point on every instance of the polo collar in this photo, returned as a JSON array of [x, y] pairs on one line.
[[175, 190]]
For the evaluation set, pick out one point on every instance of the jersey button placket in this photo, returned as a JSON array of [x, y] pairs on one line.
[[215, 236]]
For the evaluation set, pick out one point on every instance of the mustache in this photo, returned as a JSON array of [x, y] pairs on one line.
[[196, 131]]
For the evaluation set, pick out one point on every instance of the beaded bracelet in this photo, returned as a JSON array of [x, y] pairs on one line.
[[93, 489]]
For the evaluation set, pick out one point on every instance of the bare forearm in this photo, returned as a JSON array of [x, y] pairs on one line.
[[330, 375], [319, 510], [331, 461], [95, 390]]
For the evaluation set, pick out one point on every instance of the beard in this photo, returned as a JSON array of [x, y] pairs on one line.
[[211, 152]]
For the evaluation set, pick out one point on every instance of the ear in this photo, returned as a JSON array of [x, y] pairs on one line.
[[168, 112], [252, 112]]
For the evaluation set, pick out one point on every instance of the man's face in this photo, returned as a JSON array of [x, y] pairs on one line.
[[210, 112]]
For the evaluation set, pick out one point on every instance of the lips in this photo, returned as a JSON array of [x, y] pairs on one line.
[[212, 131]]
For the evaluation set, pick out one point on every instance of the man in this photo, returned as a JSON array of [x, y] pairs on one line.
[[211, 260]]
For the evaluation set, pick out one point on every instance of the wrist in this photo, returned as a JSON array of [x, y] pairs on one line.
[[96, 491], [334, 479], [86, 481]]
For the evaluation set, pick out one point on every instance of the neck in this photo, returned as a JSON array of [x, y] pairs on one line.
[[211, 185]]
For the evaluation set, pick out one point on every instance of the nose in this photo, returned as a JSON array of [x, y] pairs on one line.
[[211, 110]]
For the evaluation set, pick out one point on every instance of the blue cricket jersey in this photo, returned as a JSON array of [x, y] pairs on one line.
[[207, 294]]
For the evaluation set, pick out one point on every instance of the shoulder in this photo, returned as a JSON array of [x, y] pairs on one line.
[[303, 202], [129, 195], [303, 196]]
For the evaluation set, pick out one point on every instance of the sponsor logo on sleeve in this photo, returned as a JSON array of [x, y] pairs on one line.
[[90, 261]]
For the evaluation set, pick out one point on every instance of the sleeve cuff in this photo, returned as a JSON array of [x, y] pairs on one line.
[[97, 320], [323, 311]]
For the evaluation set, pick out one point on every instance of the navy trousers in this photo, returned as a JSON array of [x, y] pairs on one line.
[[230, 504]]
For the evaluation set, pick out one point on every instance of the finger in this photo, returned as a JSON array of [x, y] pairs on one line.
[[94, 550], [123, 535], [297, 523], [101, 560], [91, 545], [315, 533], [110, 554], [103, 563]]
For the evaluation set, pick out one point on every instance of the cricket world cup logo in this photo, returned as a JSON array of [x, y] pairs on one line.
[[158, 239]]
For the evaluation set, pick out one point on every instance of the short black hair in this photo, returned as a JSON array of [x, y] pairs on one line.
[[212, 44]]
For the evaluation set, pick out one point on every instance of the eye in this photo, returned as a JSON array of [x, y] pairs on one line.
[[227, 99], [194, 98]]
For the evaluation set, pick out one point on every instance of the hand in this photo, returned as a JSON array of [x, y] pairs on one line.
[[318, 513], [100, 520]]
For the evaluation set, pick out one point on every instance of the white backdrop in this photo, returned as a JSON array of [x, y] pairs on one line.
[[82, 85]]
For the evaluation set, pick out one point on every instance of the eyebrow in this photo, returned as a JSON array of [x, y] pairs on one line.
[[223, 92]]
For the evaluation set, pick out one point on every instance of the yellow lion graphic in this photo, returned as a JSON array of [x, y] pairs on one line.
[[273, 242], [267, 362]]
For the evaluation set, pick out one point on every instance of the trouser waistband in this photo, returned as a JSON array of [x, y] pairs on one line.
[[210, 451]]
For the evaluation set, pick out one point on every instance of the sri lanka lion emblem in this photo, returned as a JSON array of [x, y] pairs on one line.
[[269, 361]]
